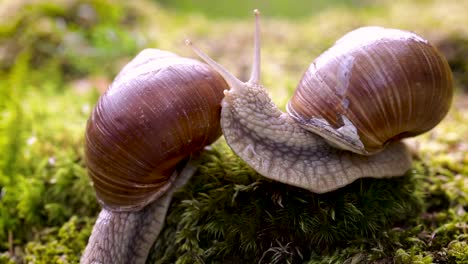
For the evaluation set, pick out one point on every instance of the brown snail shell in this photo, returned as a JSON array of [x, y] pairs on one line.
[[374, 86], [159, 110]]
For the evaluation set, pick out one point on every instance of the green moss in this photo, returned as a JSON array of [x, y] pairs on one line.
[[458, 252], [60, 245], [43, 170], [411, 257], [53, 56], [228, 211]]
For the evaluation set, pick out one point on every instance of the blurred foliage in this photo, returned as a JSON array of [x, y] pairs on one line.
[[60, 245], [56, 55], [42, 172], [68, 35], [293, 9]]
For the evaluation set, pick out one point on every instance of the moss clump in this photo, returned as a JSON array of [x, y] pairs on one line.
[[411, 256], [228, 212], [60, 245], [458, 252]]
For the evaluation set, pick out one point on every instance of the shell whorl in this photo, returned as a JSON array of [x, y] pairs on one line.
[[159, 110]]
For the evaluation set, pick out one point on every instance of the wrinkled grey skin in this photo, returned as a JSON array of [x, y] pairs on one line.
[[127, 237]]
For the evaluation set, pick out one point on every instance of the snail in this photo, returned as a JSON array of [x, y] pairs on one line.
[[345, 120], [159, 110]]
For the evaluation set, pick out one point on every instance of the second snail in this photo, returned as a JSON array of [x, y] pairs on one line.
[[345, 121]]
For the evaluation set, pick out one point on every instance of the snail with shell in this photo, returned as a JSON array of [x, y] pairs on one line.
[[354, 103]]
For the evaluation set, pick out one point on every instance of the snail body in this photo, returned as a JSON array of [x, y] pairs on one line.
[[344, 122], [160, 109]]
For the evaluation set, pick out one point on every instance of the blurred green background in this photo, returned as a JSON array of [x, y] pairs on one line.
[[295, 9], [57, 57]]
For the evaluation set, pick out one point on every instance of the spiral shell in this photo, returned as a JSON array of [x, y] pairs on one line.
[[159, 110], [374, 86]]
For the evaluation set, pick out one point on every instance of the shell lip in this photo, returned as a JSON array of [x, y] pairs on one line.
[[153, 196], [345, 137]]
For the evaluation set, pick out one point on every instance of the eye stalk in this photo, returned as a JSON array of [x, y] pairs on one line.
[[255, 75]]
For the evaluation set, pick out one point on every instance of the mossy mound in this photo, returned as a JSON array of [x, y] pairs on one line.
[[229, 213]]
